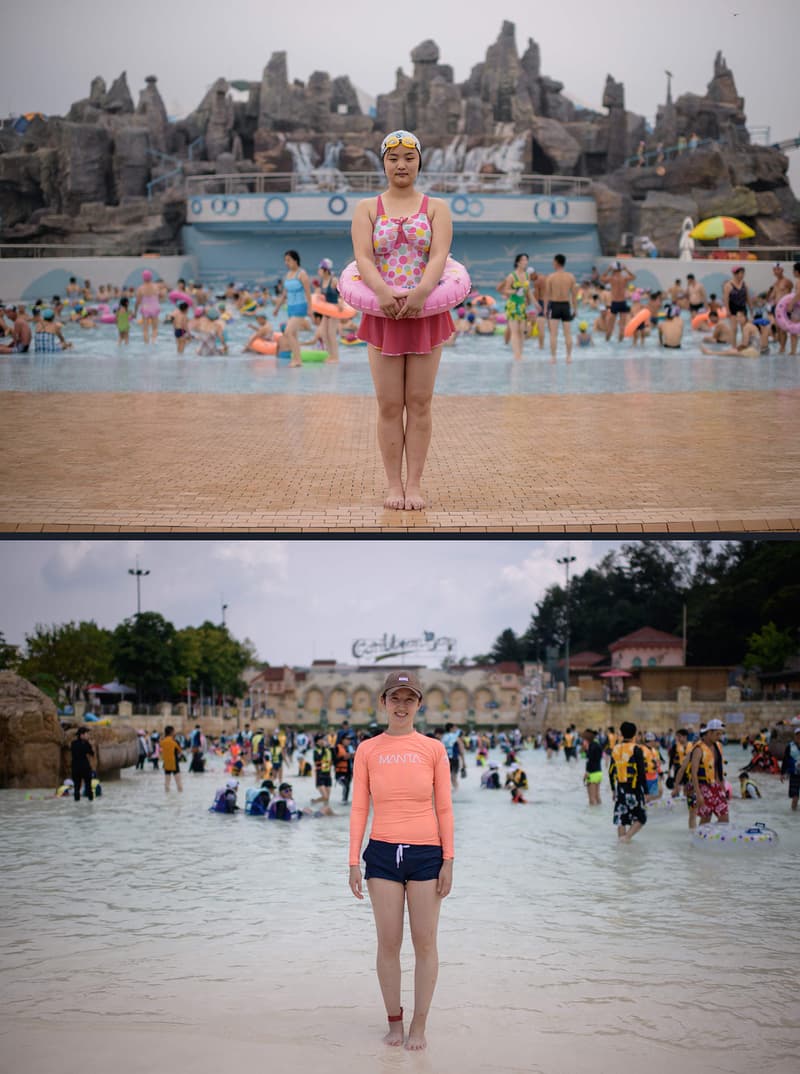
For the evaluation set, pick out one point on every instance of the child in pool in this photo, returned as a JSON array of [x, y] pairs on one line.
[[584, 338]]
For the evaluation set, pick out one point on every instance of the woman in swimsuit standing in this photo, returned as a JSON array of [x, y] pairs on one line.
[[297, 295], [147, 302], [401, 240], [516, 290], [409, 857], [329, 288]]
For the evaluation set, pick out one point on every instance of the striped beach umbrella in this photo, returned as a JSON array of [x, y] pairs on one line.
[[721, 227]]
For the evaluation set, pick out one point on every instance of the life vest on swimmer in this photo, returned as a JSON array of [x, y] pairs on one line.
[[519, 779], [257, 745], [323, 759], [707, 771], [569, 740], [276, 755], [611, 741], [342, 760], [623, 765], [257, 801], [652, 762]]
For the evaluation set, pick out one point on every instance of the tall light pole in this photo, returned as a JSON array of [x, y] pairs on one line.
[[224, 609], [138, 574], [565, 561]]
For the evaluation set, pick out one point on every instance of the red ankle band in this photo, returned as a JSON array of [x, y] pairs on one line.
[[396, 1017]]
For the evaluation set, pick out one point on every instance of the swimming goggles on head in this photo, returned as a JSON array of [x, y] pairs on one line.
[[406, 138]]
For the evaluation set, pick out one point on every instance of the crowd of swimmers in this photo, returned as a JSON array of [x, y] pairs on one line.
[[643, 767], [534, 305]]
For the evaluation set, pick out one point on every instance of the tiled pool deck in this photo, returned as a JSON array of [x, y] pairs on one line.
[[701, 462]]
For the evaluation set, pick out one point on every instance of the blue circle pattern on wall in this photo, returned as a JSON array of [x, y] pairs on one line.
[[276, 209], [547, 209], [337, 205], [225, 206]]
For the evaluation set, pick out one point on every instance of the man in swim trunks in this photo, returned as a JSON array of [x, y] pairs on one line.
[[147, 302], [180, 325], [696, 294], [707, 776], [617, 279], [561, 295], [626, 773], [20, 333]]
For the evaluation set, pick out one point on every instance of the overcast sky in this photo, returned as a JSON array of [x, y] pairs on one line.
[[52, 53], [297, 600]]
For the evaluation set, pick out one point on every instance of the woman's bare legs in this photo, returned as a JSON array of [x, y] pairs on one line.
[[517, 339], [290, 338], [331, 337], [388, 903], [420, 377], [423, 913], [388, 376]]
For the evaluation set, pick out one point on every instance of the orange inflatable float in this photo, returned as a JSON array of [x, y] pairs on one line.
[[701, 320], [642, 317], [264, 346], [330, 309]]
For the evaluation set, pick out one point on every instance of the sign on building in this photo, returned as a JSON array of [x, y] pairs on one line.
[[390, 645]]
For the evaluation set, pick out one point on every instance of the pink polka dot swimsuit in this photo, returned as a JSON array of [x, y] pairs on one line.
[[401, 246]]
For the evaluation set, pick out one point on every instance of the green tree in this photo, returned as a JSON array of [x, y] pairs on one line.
[[770, 648], [66, 658], [507, 647], [145, 657], [9, 655], [210, 656]]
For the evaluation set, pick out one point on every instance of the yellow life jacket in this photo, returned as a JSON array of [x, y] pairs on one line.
[[652, 762], [612, 740], [706, 772], [569, 738], [623, 764]]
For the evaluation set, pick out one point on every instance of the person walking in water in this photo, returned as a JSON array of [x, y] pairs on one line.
[[297, 295], [626, 773], [81, 750], [401, 240], [517, 293], [147, 303], [410, 853]]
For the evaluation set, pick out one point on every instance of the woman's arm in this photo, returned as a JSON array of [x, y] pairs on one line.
[[359, 810], [441, 241], [443, 803], [361, 233]]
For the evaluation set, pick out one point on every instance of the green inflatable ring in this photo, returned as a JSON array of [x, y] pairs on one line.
[[307, 356]]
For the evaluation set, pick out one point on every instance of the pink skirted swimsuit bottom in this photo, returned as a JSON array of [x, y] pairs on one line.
[[401, 248]]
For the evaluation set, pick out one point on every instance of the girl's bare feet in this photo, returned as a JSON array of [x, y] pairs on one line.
[[416, 1036], [414, 500], [395, 498], [396, 1034]]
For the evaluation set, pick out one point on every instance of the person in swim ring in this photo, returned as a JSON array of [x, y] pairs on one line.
[[407, 777], [584, 337], [401, 240], [148, 304], [297, 295]]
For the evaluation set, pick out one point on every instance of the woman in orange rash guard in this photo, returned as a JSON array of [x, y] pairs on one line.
[[409, 857]]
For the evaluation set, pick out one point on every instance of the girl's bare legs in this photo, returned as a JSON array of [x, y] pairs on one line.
[[153, 329], [331, 339], [388, 376], [420, 377], [388, 903], [423, 913]]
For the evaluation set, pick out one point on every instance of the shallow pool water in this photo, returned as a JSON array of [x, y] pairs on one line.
[[474, 366], [143, 932]]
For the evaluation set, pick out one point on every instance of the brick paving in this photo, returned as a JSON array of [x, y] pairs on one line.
[[704, 463]]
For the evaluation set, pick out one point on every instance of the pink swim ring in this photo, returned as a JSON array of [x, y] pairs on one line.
[[177, 296], [788, 322], [452, 289]]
